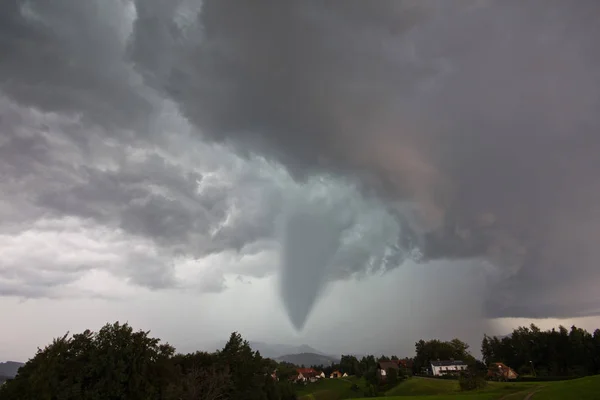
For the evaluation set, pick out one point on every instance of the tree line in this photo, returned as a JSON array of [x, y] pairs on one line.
[[531, 351], [117, 363]]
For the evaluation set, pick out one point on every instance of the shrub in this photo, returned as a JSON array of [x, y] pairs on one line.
[[471, 380]]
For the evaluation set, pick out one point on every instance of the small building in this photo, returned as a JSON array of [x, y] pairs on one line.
[[447, 367], [384, 366], [306, 375], [335, 374], [501, 371]]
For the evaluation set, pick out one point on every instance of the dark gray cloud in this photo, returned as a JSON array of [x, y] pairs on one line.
[[474, 122], [58, 169], [68, 56], [482, 113]]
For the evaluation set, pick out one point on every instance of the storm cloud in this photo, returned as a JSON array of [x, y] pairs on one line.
[[218, 135], [483, 114]]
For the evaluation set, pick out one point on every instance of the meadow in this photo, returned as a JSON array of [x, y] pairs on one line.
[[587, 388]]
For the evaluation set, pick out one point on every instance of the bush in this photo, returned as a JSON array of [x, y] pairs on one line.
[[371, 391], [471, 380]]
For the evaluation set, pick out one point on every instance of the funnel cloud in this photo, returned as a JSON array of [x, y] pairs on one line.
[[309, 244], [179, 143], [481, 115]]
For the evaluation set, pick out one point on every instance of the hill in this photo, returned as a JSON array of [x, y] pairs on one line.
[[308, 359], [436, 389], [273, 350], [417, 386], [333, 389], [10, 368], [270, 350]]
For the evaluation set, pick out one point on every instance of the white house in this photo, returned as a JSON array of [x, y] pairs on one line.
[[445, 367]]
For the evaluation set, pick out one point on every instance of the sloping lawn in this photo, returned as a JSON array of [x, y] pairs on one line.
[[418, 386], [425, 389], [587, 388], [332, 389]]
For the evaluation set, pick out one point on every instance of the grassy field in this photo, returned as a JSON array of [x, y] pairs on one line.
[[423, 387], [332, 389], [584, 389], [434, 389]]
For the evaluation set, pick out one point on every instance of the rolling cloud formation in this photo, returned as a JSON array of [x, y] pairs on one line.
[[429, 130]]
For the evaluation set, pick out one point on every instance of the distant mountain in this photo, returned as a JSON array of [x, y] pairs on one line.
[[273, 351], [10, 368], [278, 350], [308, 359]]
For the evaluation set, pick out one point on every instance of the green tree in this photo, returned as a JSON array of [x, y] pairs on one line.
[[431, 350], [114, 363], [350, 365], [391, 376], [553, 352], [472, 379], [285, 371], [247, 369], [370, 376]]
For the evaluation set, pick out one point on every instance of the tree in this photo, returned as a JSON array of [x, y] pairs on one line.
[[371, 376], [247, 369], [117, 363], [366, 363], [285, 370], [530, 350], [350, 365], [208, 383], [472, 379], [114, 363], [436, 349], [391, 376]]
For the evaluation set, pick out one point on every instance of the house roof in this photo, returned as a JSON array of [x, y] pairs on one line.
[[387, 365], [307, 372], [501, 369], [447, 363]]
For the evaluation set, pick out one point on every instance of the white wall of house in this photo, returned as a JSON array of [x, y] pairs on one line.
[[444, 369]]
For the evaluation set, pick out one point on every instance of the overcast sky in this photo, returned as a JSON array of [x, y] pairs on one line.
[[352, 174]]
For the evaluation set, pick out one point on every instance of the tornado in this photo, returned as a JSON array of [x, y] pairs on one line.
[[311, 238]]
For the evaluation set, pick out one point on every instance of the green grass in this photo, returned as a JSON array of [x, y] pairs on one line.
[[580, 389], [331, 389], [432, 389], [417, 386]]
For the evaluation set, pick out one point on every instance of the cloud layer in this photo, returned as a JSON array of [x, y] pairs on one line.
[[481, 114], [172, 144]]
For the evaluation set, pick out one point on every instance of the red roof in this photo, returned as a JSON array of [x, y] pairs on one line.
[[307, 372], [405, 363]]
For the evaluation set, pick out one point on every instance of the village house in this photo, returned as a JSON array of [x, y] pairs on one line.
[[307, 375], [447, 367], [335, 374], [384, 366], [500, 371], [274, 375]]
